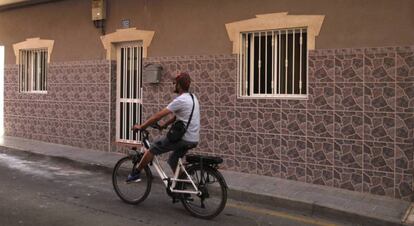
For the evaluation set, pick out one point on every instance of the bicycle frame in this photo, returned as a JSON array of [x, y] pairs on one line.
[[165, 179]]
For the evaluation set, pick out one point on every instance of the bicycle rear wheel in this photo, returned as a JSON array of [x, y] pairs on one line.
[[132, 192], [214, 193]]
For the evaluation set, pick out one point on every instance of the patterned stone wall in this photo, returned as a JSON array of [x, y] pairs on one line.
[[75, 110], [354, 132]]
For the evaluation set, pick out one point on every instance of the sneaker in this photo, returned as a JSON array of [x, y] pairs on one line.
[[133, 177]]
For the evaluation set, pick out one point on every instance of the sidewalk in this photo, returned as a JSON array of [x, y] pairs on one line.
[[355, 207]]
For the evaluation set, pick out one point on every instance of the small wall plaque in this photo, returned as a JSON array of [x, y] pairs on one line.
[[125, 23]]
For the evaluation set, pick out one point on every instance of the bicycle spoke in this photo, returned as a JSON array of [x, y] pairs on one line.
[[197, 180]]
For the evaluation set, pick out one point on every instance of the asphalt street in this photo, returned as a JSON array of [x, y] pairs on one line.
[[37, 190]]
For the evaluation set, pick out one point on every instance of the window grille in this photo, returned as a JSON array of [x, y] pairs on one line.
[[33, 70], [273, 63], [129, 92]]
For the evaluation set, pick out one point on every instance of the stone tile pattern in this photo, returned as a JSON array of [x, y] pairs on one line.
[[354, 132], [75, 110]]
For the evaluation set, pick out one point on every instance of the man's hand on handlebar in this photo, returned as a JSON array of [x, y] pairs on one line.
[[157, 126], [137, 128]]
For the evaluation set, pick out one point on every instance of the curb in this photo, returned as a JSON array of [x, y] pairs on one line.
[[311, 208]]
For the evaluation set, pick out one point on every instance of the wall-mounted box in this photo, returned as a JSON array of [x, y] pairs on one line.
[[98, 10], [152, 73]]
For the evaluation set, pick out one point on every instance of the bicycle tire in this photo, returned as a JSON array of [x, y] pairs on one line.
[[222, 189], [120, 174]]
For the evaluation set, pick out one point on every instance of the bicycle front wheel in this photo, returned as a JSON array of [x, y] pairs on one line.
[[213, 197], [131, 192]]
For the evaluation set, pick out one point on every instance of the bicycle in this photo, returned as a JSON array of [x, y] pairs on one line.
[[197, 183]]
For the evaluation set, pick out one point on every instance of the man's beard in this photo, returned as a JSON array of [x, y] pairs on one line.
[[176, 90]]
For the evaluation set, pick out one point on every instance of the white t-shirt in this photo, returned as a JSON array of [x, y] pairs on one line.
[[181, 106]]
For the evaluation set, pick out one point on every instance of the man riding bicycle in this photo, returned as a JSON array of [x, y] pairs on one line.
[[183, 107]]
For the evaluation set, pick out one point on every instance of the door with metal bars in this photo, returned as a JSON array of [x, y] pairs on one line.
[[273, 63], [128, 91]]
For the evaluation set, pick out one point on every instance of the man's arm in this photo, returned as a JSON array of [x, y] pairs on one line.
[[168, 122], [155, 118]]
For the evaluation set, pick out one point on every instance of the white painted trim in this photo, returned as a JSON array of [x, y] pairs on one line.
[[278, 96], [282, 94], [27, 71], [120, 100], [118, 87], [126, 35], [274, 21], [34, 43], [31, 92]]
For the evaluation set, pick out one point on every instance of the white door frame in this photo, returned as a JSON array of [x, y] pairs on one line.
[[131, 96]]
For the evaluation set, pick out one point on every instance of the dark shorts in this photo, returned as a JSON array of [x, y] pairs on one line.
[[162, 145]]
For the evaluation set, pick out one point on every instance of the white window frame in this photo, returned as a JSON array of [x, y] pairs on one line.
[[29, 70], [242, 70], [274, 21], [33, 44]]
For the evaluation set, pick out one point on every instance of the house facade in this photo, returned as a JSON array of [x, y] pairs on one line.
[[320, 92]]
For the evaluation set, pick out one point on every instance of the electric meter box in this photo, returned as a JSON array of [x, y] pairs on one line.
[[152, 73], [98, 10]]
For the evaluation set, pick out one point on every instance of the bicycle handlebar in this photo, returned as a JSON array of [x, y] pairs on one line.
[[145, 133], [154, 126]]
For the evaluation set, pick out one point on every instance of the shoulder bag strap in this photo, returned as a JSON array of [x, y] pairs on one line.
[[192, 110]]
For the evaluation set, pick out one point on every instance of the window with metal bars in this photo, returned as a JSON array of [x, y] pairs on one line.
[[273, 64], [33, 70]]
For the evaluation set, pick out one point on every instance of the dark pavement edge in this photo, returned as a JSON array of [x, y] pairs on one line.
[[311, 208]]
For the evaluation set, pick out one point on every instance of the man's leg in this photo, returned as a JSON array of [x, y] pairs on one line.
[[173, 159], [157, 148], [146, 158], [180, 150]]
